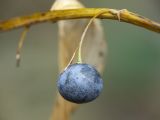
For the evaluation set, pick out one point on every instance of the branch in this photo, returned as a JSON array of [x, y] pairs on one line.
[[56, 15]]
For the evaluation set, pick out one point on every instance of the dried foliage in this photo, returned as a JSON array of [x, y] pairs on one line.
[[94, 46]]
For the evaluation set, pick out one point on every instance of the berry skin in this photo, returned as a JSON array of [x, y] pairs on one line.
[[80, 83]]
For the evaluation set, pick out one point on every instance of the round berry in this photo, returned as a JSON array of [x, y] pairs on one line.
[[80, 83]]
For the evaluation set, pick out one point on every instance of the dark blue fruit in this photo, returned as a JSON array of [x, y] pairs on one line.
[[80, 83]]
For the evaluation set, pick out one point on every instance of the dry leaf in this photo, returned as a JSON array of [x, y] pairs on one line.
[[93, 49]]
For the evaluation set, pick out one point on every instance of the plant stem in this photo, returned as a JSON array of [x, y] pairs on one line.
[[56, 15], [83, 35]]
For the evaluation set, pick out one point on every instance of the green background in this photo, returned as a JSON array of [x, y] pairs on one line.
[[132, 74]]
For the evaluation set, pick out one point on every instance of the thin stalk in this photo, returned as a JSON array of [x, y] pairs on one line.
[[83, 36]]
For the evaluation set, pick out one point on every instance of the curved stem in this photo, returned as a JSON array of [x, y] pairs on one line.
[[126, 16], [83, 35], [20, 45]]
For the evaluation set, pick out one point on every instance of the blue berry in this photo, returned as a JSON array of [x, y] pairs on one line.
[[80, 83]]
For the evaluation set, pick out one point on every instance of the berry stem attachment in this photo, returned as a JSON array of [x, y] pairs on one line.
[[83, 36], [71, 60], [79, 48]]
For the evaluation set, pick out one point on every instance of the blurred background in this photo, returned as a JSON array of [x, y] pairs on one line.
[[132, 74]]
